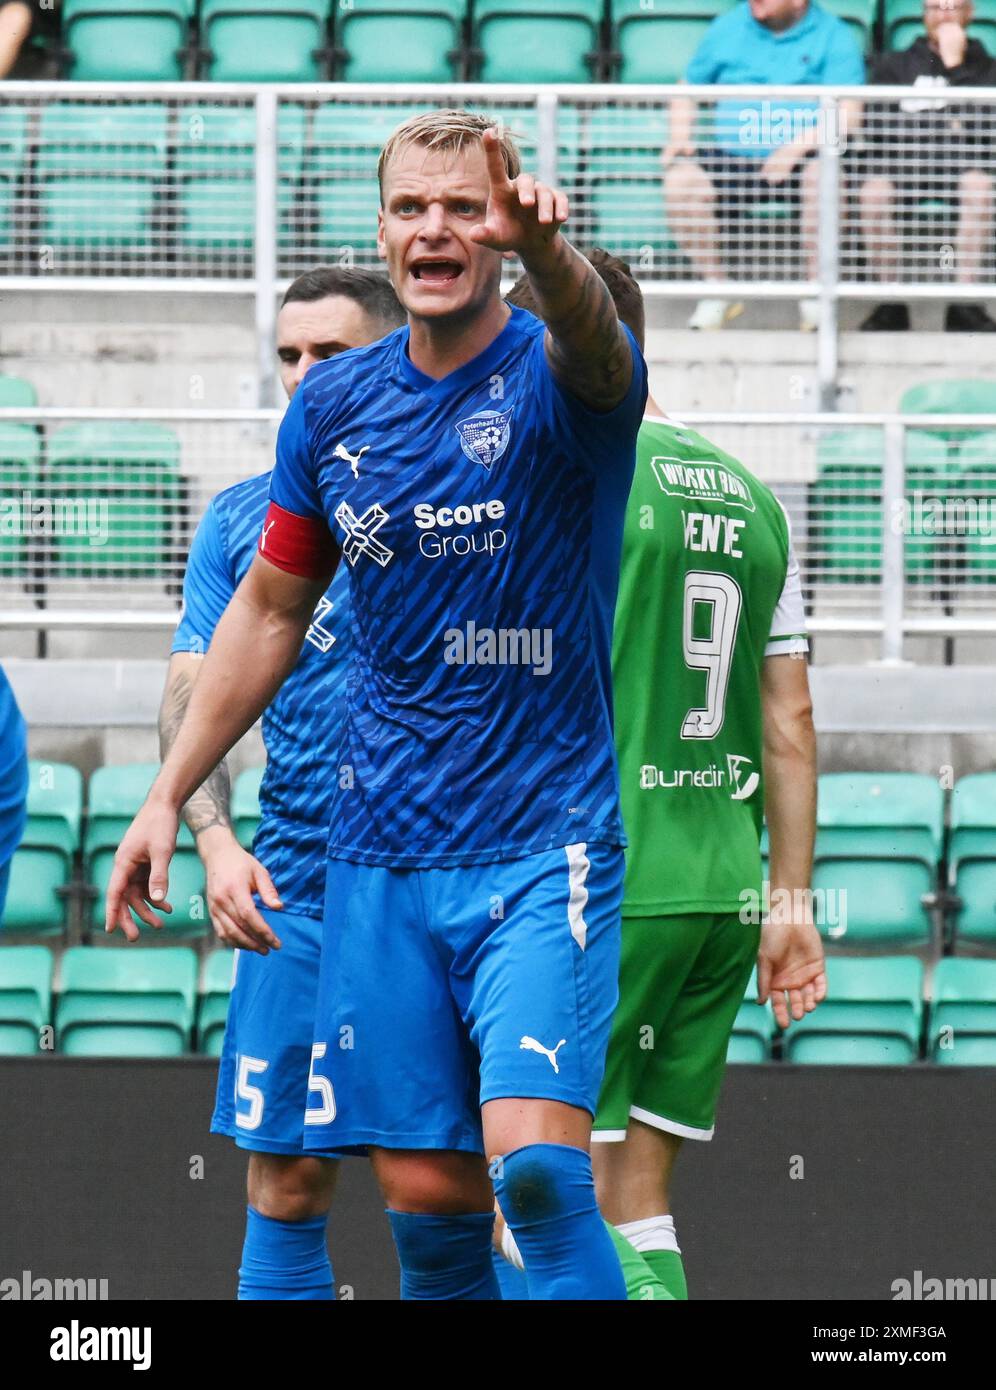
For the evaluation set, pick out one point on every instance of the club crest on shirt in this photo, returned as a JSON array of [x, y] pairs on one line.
[[484, 436]]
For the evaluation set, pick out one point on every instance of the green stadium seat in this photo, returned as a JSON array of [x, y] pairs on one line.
[[871, 1016], [215, 161], [126, 40], [399, 40], [20, 458], [516, 41], [654, 41], [133, 1002], [219, 976], [904, 23], [972, 856], [846, 502], [878, 842], [245, 804], [25, 998], [13, 147], [98, 170], [115, 795], [962, 1028], [125, 478], [346, 212], [17, 393], [858, 15], [265, 40], [750, 1040], [43, 862], [960, 397], [627, 218]]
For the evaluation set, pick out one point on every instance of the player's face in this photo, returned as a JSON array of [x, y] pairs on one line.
[[310, 331], [431, 201]]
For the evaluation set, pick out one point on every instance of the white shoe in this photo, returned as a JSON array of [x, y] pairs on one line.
[[809, 315], [711, 314]]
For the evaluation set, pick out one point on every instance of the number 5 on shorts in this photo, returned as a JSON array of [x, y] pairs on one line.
[[325, 1113]]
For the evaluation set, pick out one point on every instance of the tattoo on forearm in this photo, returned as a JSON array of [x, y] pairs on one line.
[[210, 803], [587, 349]]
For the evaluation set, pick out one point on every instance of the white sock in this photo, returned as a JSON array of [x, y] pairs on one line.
[[652, 1233], [510, 1250]]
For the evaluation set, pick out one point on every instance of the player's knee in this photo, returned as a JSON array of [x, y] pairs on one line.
[[426, 1183], [290, 1188], [542, 1182]]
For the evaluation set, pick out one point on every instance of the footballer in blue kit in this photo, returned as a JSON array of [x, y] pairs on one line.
[[470, 473], [263, 1075]]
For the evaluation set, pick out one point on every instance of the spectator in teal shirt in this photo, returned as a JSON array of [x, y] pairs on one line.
[[13, 782], [759, 150]]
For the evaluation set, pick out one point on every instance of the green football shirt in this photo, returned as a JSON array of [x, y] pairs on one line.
[[708, 587]]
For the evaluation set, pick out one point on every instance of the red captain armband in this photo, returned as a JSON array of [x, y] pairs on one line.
[[301, 545]]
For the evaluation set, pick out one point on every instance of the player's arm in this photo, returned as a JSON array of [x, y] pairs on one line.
[[790, 960], [15, 27], [254, 648], [586, 346]]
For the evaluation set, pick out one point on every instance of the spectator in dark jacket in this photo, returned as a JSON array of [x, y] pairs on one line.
[[931, 147]]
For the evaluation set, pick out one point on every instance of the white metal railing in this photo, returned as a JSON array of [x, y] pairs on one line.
[[894, 517], [235, 188]]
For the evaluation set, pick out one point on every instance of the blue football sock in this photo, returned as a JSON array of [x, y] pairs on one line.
[[445, 1257], [547, 1196], [511, 1281], [285, 1259]]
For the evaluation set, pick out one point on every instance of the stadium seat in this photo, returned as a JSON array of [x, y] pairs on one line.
[[245, 804], [516, 41], [750, 1040], [265, 40], [846, 502], [399, 40], [625, 177], [126, 40], [962, 1028], [43, 862], [859, 16], [25, 998], [17, 393], [871, 1016], [20, 458], [523, 122], [125, 478], [219, 976], [98, 170], [115, 795], [134, 1002], [13, 145], [878, 843], [972, 856], [960, 397], [904, 23], [215, 161], [654, 42]]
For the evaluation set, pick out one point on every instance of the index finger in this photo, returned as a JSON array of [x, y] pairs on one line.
[[497, 172]]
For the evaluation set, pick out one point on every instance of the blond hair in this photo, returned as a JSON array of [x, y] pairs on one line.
[[447, 130]]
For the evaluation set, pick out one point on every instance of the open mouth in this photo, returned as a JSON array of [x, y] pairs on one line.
[[436, 272]]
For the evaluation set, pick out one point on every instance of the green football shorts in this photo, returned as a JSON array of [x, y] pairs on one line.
[[681, 983]]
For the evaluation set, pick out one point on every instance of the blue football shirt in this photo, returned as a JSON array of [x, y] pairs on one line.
[[13, 772], [480, 522], [301, 728], [738, 50]]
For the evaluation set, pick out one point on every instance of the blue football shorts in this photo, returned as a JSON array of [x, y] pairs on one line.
[[443, 988], [263, 1074]]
